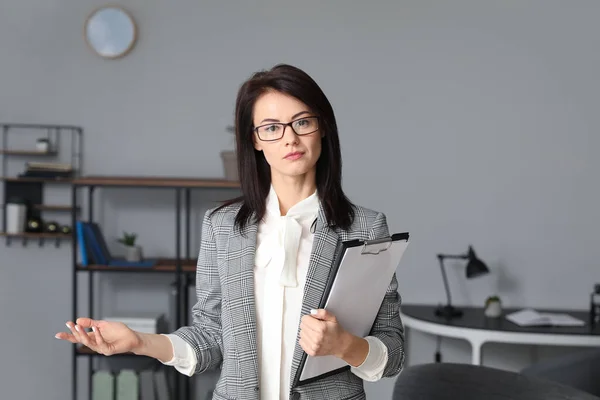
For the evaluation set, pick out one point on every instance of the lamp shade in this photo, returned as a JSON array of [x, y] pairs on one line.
[[475, 267]]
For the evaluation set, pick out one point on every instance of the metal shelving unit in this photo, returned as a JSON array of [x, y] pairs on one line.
[[32, 188], [183, 266]]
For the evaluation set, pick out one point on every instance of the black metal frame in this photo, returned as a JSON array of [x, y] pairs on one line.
[[52, 132], [76, 141], [183, 278]]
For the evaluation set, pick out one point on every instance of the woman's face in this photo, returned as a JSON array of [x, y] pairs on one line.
[[288, 153]]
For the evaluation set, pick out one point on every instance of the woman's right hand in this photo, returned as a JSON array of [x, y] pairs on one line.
[[106, 337]]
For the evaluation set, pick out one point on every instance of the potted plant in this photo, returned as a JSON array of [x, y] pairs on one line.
[[493, 307], [43, 145], [133, 253], [230, 160]]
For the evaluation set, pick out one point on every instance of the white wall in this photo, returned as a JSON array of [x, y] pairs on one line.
[[466, 122]]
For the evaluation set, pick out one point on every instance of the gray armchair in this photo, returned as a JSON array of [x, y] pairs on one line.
[[446, 381]]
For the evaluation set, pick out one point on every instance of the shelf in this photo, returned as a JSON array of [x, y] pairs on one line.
[[44, 207], [33, 153], [86, 351], [34, 235], [132, 181], [36, 180], [39, 126], [162, 265], [157, 181], [48, 207], [25, 237]]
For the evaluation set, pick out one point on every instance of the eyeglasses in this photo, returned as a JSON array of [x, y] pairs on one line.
[[276, 130]]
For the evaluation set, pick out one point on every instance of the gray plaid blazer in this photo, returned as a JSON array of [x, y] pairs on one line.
[[223, 333]]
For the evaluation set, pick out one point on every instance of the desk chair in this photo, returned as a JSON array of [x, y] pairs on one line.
[[446, 381], [580, 370]]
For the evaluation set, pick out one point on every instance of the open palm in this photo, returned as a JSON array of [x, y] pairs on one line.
[[105, 337]]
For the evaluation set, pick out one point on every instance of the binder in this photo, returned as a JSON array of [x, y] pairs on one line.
[[147, 385], [103, 385], [357, 284], [127, 385]]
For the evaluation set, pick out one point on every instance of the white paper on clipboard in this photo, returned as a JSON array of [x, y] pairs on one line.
[[359, 284]]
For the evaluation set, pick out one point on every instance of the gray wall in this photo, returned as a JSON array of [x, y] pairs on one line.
[[466, 122]]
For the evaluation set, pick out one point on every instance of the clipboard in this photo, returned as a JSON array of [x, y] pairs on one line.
[[357, 284]]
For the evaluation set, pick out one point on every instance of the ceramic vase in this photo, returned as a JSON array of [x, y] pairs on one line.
[[493, 309], [133, 253]]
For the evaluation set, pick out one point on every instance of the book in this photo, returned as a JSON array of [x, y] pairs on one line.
[[147, 385], [127, 385], [530, 317], [146, 322], [161, 386], [94, 249], [48, 166], [103, 385]]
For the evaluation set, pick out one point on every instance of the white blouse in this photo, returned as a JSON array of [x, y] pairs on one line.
[[283, 250]]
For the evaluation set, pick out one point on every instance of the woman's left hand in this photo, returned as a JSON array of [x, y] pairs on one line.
[[321, 334]]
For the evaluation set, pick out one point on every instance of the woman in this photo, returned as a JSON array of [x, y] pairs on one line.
[[264, 260]]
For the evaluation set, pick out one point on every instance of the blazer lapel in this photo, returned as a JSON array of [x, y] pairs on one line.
[[239, 287], [325, 243]]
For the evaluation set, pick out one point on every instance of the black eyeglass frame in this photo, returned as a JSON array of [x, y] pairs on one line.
[[285, 125]]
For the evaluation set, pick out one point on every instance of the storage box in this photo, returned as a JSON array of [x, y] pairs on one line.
[[141, 322]]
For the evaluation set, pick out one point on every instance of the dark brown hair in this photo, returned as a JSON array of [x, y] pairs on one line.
[[253, 169]]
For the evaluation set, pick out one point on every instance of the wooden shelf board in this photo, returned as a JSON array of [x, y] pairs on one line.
[[34, 235], [86, 351], [39, 126], [50, 207], [171, 182], [28, 153], [36, 180], [162, 265], [156, 181]]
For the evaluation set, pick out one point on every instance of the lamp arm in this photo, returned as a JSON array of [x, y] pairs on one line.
[[441, 258]]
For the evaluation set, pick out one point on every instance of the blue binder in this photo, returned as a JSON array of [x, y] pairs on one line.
[[94, 240]]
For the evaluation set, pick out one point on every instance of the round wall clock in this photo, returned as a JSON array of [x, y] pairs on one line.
[[110, 31]]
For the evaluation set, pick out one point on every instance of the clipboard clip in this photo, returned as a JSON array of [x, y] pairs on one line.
[[376, 246]]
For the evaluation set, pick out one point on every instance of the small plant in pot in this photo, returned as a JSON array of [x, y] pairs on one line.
[[43, 145], [493, 307], [133, 253]]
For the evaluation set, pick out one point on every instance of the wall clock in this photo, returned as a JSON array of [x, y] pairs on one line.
[[110, 31]]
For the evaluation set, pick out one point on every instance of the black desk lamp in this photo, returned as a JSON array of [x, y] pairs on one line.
[[475, 267]]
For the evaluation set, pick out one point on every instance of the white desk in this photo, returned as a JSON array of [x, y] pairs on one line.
[[475, 328]]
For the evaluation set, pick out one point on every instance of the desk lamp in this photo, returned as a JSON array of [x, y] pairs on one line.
[[475, 268]]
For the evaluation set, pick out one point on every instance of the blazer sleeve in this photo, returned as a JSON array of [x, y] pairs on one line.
[[204, 335], [388, 326]]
